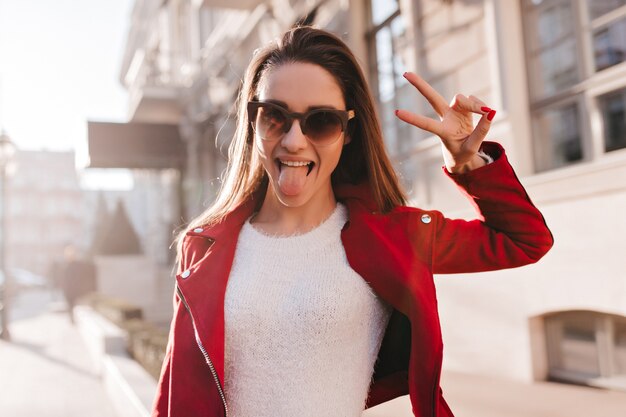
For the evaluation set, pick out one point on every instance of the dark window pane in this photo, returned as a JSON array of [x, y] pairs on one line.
[[401, 49], [382, 9], [613, 107], [620, 346], [404, 94], [386, 87], [572, 337], [392, 52], [548, 24], [384, 56], [609, 45], [553, 23], [580, 351], [555, 69], [599, 7], [557, 138]]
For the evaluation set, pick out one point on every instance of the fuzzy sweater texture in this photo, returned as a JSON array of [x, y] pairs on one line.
[[303, 329]]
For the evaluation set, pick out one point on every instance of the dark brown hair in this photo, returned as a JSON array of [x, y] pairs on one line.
[[363, 159]]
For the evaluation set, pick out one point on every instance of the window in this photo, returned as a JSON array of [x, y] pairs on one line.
[[388, 51], [586, 347], [576, 50], [561, 124], [613, 108], [620, 347]]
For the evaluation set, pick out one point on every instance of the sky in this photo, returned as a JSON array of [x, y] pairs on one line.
[[59, 67]]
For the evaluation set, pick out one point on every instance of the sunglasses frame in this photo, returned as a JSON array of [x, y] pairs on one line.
[[344, 117]]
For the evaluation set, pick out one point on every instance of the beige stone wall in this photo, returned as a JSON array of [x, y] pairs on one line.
[[491, 321]]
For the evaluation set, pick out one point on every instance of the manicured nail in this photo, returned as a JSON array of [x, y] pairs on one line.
[[491, 115], [404, 75], [397, 111], [485, 109]]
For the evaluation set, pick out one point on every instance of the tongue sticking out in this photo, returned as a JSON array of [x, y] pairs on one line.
[[291, 179]]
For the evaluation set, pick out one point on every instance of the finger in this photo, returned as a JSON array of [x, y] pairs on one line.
[[435, 99], [476, 138], [468, 104], [480, 104], [425, 123]]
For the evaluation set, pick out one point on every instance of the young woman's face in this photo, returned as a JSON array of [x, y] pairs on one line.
[[300, 87]]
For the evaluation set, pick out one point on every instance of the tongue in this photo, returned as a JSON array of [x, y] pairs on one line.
[[291, 179]]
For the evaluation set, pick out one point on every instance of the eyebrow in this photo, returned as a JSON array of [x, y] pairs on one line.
[[283, 104]]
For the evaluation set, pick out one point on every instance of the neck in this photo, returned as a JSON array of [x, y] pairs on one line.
[[276, 218]]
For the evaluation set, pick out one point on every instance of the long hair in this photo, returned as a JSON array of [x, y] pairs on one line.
[[363, 158]]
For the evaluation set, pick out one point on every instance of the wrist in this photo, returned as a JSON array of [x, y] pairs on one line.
[[477, 161]]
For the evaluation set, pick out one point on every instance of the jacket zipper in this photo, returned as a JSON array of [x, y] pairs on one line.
[[204, 353]]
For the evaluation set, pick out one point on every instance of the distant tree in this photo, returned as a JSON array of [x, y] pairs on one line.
[[101, 225], [116, 235]]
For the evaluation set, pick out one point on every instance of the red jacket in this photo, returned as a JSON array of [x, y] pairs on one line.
[[396, 253]]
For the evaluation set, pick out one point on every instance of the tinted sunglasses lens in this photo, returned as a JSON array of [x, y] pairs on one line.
[[323, 127], [269, 122]]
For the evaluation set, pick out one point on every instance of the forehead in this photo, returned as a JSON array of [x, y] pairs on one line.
[[301, 85]]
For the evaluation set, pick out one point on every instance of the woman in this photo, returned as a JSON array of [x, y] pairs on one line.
[[309, 278]]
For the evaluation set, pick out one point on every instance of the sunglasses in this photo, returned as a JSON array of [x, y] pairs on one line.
[[321, 126]]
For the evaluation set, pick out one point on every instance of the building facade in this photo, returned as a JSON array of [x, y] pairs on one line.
[[555, 72], [45, 210]]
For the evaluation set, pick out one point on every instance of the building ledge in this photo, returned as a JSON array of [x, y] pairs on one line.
[[229, 4]]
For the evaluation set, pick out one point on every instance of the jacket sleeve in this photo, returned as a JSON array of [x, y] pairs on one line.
[[510, 231], [160, 405]]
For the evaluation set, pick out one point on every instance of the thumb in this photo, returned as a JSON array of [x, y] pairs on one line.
[[476, 138]]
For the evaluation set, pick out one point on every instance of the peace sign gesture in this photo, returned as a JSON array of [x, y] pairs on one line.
[[459, 139]]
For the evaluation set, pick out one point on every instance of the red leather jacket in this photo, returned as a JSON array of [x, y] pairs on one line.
[[396, 253]]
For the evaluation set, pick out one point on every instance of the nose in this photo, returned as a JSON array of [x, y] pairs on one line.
[[294, 139]]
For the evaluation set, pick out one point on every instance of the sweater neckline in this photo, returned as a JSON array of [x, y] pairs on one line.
[[321, 233]]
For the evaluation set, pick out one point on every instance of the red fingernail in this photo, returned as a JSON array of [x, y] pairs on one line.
[[485, 109], [397, 112], [491, 115]]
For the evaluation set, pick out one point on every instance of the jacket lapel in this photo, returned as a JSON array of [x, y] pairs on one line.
[[203, 283]]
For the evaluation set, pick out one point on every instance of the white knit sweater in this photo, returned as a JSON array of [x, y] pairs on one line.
[[303, 329]]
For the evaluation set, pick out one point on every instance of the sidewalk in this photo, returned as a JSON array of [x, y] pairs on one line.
[[45, 369], [477, 396], [474, 396]]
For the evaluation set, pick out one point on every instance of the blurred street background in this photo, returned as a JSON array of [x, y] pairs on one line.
[[115, 118]]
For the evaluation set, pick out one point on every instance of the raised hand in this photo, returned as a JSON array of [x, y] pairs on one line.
[[459, 139]]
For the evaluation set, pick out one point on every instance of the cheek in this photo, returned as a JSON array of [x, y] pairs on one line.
[[331, 159], [263, 148]]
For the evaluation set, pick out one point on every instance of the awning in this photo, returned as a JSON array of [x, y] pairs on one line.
[[134, 145]]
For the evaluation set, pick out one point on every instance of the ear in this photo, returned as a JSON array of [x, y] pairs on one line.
[[346, 139]]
